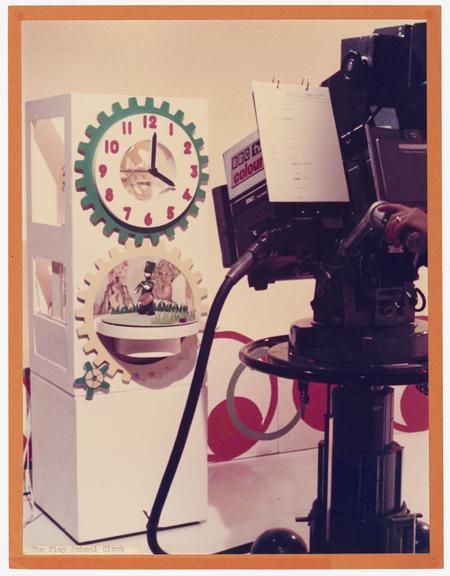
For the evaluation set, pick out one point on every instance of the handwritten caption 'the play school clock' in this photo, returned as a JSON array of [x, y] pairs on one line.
[[62, 549]]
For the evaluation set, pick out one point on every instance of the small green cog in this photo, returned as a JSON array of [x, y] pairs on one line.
[[92, 380], [87, 182]]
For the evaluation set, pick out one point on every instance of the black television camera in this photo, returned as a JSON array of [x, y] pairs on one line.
[[379, 103]]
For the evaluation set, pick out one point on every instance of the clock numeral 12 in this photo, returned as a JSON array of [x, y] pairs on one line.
[[150, 122], [127, 127]]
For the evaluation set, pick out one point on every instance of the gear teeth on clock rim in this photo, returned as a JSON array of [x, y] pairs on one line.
[[93, 281], [86, 182]]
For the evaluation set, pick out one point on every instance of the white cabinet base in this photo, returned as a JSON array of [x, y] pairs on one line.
[[97, 464]]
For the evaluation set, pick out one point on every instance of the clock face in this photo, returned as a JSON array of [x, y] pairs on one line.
[[147, 170], [143, 170]]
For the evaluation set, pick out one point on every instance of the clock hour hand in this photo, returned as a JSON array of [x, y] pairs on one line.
[[153, 170], [163, 178]]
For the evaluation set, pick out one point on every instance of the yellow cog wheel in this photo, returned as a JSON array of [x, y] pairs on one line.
[[93, 345]]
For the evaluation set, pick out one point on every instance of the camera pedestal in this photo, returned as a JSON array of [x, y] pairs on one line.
[[358, 508]]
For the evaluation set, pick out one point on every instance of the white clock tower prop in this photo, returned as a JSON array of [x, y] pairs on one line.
[[115, 306]]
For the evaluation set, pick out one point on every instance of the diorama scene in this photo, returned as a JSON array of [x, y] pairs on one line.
[[225, 260]]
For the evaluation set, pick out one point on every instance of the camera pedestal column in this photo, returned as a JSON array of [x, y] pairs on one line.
[[358, 507]]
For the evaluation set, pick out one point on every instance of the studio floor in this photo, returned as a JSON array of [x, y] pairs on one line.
[[246, 497]]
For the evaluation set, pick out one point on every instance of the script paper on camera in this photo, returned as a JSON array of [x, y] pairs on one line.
[[299, 142]]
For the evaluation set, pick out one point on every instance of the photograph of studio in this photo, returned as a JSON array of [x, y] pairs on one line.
[[226, 287]]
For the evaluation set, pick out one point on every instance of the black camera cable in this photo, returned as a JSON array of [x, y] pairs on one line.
[[257, 251]]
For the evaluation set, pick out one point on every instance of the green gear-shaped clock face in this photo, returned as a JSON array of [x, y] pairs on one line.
[[142, 171]]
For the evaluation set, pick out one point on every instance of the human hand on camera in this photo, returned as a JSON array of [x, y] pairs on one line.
[[403, 218]]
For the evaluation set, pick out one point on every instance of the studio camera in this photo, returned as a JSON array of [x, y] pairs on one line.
[[378, 98]]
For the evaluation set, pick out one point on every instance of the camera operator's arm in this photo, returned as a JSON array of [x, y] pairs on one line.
[[403, 218]]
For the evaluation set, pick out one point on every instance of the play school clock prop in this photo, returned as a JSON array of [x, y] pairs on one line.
[[142, 170]]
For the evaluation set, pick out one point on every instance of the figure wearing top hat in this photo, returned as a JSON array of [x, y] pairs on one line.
[[146, 301]]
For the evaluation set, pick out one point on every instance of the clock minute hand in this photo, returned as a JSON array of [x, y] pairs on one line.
[[153, 154]]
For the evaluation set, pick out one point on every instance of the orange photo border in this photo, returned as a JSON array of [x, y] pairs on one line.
[[432, 14]]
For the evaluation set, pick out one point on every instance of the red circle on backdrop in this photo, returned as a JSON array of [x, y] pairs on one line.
[[414, 409]]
